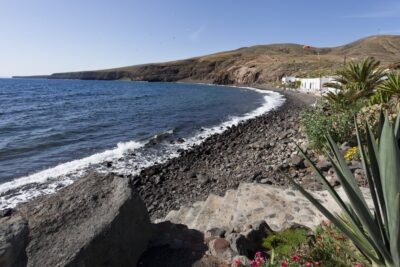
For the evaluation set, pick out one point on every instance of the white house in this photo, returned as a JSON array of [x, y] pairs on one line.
[[315, 85], [288, 79]]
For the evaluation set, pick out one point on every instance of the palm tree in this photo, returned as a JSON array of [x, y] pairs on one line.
[[351, 93], [391, 85], [357, 80]]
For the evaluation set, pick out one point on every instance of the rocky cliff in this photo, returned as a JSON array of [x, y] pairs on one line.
[[256, 64]]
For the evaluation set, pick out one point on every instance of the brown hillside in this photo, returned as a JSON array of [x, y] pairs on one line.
[[255, 64]]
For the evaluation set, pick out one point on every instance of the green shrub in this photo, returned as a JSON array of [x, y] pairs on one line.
[[317, 122], [285, 242]]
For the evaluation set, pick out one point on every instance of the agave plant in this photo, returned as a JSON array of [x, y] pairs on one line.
[[375, 231]]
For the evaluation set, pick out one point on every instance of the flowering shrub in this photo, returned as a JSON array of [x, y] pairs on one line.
[[334, 248], [330, 248], [259, 261], [292, 261], [352, 154]]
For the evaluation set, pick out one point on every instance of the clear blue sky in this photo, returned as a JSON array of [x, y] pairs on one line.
[[46, 36]]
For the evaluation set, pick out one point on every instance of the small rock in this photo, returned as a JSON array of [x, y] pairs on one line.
[[324, 165], [203, 178], [256, 176], [180, 140], [290, 193], [333, 180], [5, 212], [354, 165], [359, 175], [344, 147], [214, 232], [219, 247], [157, 179], [297, 161]]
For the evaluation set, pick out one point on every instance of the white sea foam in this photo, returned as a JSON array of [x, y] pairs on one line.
[[52, 179], [53, 174], [272, 100]]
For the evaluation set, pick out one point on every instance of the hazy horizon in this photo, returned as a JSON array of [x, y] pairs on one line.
[[44, 36]]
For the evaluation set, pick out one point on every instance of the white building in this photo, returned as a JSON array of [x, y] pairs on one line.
[[315, 85], [288, 79]]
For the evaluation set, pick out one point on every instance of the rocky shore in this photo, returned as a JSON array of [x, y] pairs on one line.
[[213, 203], [258, 150]]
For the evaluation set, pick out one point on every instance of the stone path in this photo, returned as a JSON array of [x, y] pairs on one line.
[[252, 202]]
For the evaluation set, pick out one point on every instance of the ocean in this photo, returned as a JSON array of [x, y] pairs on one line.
[[52, 132]]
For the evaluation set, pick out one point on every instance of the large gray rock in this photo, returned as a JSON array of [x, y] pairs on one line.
[[98, 221], [13, 241]]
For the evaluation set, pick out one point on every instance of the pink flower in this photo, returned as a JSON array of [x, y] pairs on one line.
[[330, 232], [307, 263], [358, 265], [238, 262], [284, 264], [254, 264], [260, 260], [316, 263], [295, 258], [258, 254]]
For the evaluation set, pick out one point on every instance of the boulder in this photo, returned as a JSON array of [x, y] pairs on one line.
[[240, 244], [220, 248], [98, 221], [13, 241]]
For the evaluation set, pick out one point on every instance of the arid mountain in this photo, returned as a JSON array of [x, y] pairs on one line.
[[255, 64]]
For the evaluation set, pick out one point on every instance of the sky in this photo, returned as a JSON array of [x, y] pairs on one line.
[[47, 36]]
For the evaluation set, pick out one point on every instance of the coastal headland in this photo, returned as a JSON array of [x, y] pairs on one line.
[[252, 65]]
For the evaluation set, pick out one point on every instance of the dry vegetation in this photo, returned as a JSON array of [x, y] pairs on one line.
[[256, 64]]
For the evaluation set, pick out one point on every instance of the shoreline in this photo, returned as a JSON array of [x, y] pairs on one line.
[[193, 162], [23, 188], [255, 150]]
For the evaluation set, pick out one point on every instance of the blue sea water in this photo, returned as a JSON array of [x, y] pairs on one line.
[[54, 131]]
